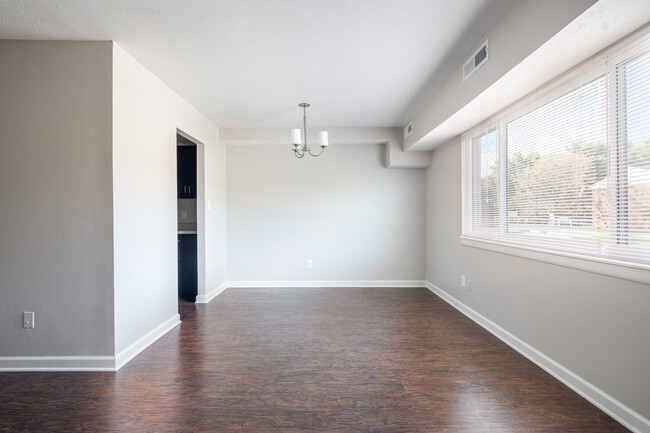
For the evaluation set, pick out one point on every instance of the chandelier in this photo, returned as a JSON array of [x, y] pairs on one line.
[[298, 148]]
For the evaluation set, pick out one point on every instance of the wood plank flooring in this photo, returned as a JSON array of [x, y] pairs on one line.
[[302, 360]]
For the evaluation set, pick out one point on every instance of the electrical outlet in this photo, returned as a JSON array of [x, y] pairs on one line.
[[462, 280], [309, 263], [28, 319]]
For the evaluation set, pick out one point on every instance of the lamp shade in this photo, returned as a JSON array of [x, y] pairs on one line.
[[295, 136], [324, 141]]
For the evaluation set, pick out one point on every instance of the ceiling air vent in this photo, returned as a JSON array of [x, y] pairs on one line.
[[408, 129], [476, 61]]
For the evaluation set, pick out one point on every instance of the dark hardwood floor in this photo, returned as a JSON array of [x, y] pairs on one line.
[[299, 360]]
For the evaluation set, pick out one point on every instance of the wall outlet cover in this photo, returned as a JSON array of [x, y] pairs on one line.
[[28, 319]]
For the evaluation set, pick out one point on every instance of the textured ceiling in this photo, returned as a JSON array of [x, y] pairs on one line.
[[248, 63]]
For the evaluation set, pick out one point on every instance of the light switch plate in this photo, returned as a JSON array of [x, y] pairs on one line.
[[28, 319]]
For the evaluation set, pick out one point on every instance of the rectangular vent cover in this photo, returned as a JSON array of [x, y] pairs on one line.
[[408, 129], [476, 61]]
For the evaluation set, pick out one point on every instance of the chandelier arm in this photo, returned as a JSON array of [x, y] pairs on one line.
[[299, 154], [317, 154]]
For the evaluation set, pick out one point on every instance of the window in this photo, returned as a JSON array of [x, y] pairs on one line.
[[568, 169], [484, 186]]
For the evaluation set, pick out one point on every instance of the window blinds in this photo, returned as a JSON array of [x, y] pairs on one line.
[[628, 181], [569, 170]]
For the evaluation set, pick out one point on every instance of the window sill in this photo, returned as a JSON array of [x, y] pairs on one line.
[[625, 270]]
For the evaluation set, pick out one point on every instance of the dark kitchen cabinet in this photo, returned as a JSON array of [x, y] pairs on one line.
[[186, 170], [187, 267]]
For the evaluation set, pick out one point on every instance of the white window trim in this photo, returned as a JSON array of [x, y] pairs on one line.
[[631, 271]]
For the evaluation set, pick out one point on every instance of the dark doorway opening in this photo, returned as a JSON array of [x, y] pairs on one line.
[[187, 241]]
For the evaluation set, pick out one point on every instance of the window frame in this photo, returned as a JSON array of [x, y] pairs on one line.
[[604, 63]]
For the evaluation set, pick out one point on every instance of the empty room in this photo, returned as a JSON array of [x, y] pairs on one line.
[[361, 216]]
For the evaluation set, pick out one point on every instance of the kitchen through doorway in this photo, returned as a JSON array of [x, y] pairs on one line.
[[186, 152]]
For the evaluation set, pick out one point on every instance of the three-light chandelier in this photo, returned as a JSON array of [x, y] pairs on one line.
[[299, 149]]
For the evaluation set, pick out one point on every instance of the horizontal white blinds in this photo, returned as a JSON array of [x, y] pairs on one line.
[[570, 169], [484, 174], [629, 180], [555, 154]]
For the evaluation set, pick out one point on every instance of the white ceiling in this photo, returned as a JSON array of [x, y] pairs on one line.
[[248, 63]]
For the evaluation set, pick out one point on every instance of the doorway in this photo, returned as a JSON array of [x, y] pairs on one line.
[[186, 192]]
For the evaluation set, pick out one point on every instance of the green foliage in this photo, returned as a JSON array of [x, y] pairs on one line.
[[517, 163], [597, 154], [639, 154], [558, 184], [555, 184]]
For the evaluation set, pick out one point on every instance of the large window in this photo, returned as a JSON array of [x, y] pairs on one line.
[[568, 170]]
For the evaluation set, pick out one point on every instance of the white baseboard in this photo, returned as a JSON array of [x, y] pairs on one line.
[[599, 398], [145, 341], [87, 363], [204, 299], [326, 283], [262, 284], [57, 363]]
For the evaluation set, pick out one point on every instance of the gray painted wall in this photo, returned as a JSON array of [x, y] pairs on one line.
[[146, 116], [88, 186], [354, 218], [525, 26], [215, 214], [596, 326], [56, 255]]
